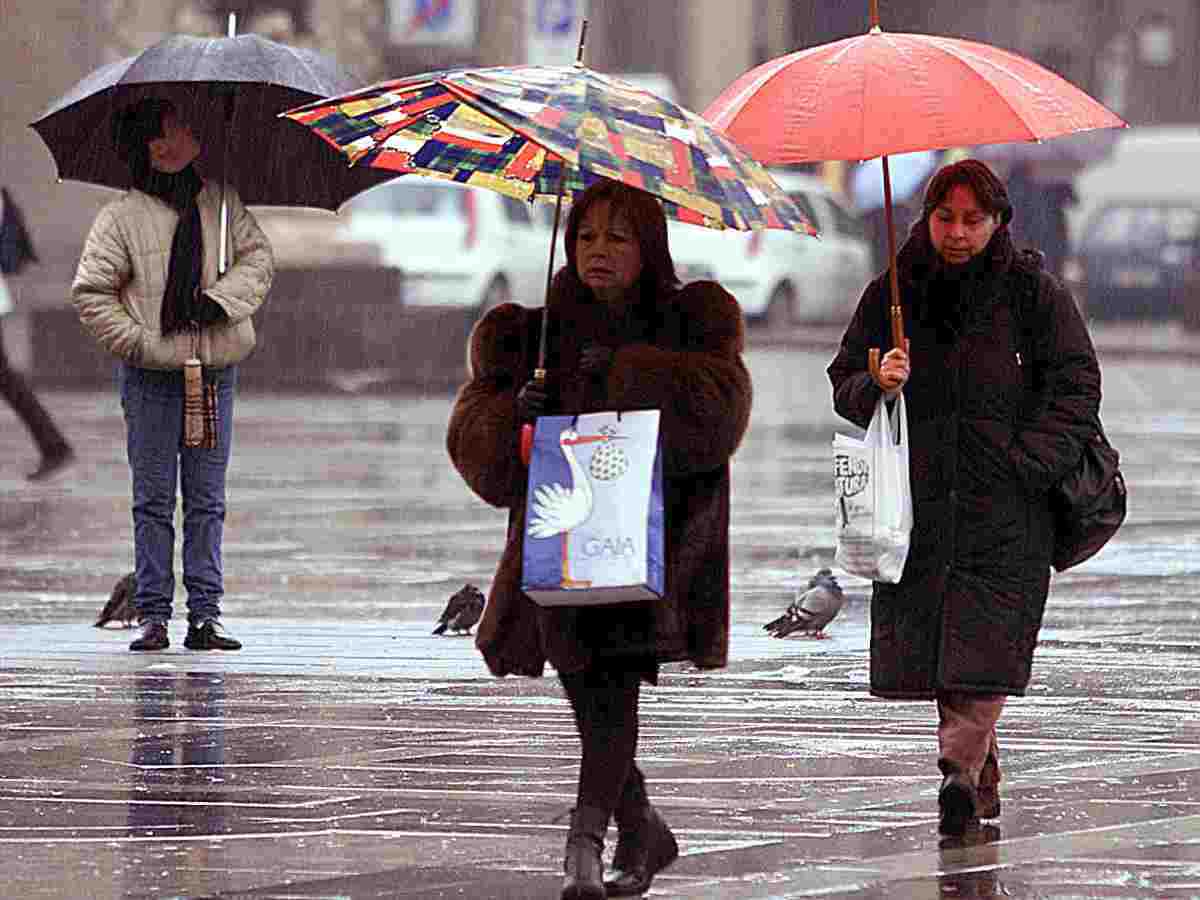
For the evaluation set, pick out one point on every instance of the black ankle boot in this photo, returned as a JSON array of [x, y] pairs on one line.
[[585, 842], [957, 802], [644, 842]]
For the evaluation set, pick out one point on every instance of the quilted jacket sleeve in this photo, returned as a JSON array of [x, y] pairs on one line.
[[700, 384], [244, 286], [105, 266]]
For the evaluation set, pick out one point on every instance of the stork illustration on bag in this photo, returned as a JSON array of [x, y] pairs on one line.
[[558, 509]]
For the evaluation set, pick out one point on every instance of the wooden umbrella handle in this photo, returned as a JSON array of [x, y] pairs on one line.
[[874, 355]]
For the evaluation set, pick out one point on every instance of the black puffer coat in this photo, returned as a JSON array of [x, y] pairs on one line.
[[990, 431]]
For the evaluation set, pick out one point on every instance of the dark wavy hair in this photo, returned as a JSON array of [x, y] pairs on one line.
[[917, 255], [987, 187], [134, 127], [649, 225]]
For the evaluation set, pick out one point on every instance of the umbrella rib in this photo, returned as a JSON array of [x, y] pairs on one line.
[[988, 69], [842, 54], [311, 70], [969, 63]]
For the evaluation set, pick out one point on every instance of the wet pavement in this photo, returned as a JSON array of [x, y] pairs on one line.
[[347, 752]]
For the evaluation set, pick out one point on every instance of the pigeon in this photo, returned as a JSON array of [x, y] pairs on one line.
[[119, 607], [462, 612], [811, 611]]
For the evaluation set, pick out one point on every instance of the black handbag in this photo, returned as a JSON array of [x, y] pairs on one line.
[[1088, 504]]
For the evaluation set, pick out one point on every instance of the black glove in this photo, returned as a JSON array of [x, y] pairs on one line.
[[596, 360], [207, 311], [531, 400]]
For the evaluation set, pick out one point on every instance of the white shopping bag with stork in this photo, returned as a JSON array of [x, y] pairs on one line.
[[594, 513]]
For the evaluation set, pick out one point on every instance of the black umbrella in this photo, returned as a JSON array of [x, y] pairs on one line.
[[230, 90]]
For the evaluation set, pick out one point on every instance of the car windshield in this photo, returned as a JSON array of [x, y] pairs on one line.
[[408, 199]]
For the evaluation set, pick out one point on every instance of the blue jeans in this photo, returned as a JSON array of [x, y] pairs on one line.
[[153, 405]]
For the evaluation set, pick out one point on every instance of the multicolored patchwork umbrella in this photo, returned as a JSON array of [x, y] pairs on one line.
[[510, 129]]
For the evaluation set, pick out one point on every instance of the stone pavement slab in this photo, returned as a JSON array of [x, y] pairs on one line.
[[372, 760], [347, 752]]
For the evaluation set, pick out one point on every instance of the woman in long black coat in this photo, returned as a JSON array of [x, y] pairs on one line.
[[1001, 391], [622, 335]]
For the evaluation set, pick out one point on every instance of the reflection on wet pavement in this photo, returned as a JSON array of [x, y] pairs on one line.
[[346, 752]]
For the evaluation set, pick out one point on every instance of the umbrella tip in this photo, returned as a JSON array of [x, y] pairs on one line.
[[875, 29]]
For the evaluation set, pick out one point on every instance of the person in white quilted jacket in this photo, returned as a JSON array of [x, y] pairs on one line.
[[149, 291]]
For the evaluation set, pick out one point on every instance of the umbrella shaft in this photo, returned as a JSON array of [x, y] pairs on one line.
[[222, 260], [896, 315], [562, 183]]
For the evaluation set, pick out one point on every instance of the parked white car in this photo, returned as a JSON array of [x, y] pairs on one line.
[[457, 246], [781, 277]]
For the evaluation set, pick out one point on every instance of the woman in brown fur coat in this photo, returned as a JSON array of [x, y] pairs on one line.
[[623, 335]]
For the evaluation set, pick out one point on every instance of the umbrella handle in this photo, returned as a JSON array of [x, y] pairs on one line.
[[898, 340], [526, 448], [526, 443], [873, 363]]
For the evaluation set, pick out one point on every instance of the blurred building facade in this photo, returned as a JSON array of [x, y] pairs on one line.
[[1138, 56]]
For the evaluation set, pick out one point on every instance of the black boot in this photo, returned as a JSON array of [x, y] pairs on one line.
[[582, 865], [957, 802], [644, 842]]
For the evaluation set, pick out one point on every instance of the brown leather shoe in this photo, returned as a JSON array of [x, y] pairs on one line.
[[153, 637], [956, 803]]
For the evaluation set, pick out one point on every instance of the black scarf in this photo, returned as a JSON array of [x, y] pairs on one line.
[[181, 300], [949, 291], [940, 292]]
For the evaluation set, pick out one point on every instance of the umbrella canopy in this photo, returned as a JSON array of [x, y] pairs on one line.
[[881, 93], [230, 90], [510, 129]]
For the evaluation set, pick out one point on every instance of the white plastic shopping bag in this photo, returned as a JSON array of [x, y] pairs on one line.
[[594, 514], [873, 496]]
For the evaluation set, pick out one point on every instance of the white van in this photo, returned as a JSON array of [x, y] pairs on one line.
[[1147, 164]]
